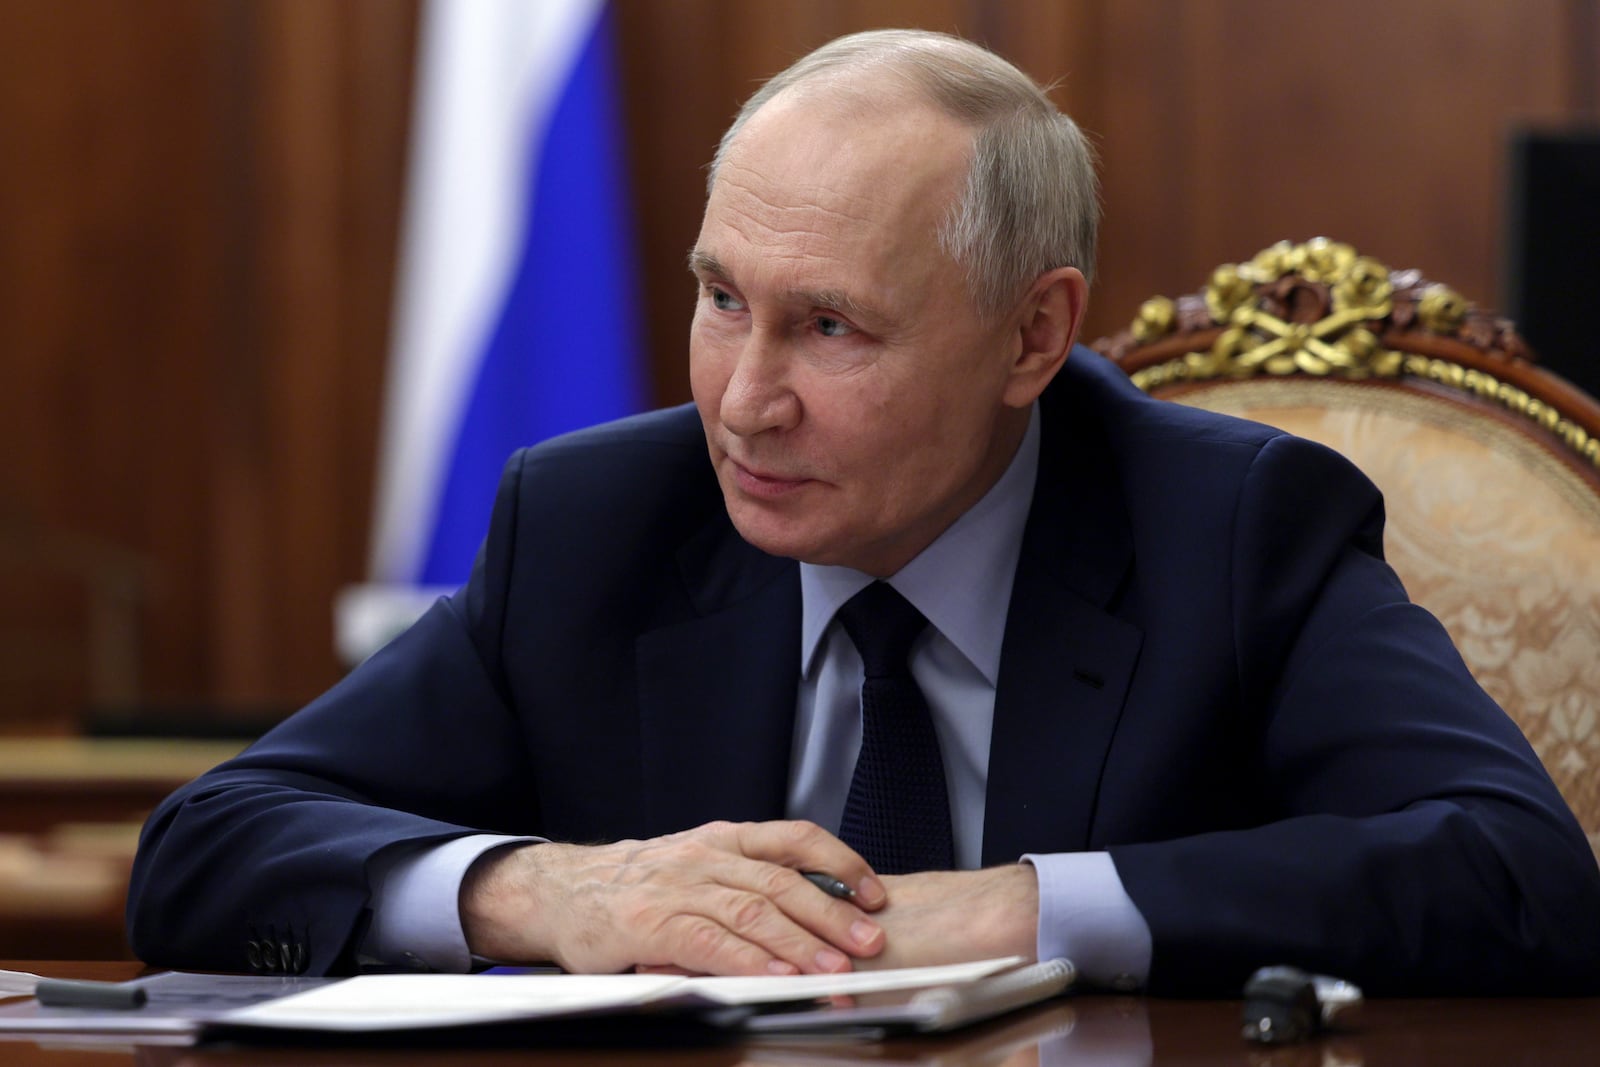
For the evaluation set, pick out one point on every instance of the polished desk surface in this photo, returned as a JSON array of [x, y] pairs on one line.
[[1089, 1030]]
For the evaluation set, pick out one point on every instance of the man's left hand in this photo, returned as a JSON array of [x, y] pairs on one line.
[[956, 916]]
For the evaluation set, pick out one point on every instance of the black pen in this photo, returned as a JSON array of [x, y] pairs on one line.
[[75, 993], [828, 884]]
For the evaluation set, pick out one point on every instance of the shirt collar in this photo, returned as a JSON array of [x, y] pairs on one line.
[[961, 582]]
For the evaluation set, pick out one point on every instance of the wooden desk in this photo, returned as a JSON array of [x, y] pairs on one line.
[[1090, 1030], [70, 810], [46, 781]]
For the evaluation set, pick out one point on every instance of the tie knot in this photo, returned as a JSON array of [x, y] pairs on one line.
[[882, 624]]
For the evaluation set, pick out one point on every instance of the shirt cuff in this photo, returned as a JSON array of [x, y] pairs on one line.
[[416, 903], [1086, 916]]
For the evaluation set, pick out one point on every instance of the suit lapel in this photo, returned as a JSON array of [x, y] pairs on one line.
[[1066, 662], [717, 691], [717, 686]]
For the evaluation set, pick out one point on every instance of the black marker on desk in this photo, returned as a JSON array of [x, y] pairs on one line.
[[74, 993], [828, 884]]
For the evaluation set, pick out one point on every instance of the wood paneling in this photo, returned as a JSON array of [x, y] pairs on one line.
[[108, 287], [1377, 122], [198, 213], [321, 123], [196, 236]]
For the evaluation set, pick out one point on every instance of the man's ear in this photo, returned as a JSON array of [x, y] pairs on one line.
[[1050, 316]]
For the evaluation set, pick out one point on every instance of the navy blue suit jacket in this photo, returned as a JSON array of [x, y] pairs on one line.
[[1208, 670]]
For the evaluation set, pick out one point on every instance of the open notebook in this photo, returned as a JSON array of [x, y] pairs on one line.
[[922, 998]]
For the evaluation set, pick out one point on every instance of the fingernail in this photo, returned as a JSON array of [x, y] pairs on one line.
[[870, 891], [864, 933], [781, 967], [829, 960]]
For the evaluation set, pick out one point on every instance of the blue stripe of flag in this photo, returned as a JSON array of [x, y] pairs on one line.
[[565, 352]]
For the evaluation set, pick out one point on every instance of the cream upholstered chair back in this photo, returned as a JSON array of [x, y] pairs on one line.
[[1489, 465]]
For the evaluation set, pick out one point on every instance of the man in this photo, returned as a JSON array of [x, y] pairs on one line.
[[1184, 719]]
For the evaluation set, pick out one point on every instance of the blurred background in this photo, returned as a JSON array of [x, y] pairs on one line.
[[201, 208]]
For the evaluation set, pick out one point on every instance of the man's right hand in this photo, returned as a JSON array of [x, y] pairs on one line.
[[723, 898]]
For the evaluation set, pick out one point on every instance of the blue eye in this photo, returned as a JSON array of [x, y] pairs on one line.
[[722, 300], [829, 326]]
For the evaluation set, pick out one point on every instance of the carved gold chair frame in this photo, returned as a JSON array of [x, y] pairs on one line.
[[1323, 310]]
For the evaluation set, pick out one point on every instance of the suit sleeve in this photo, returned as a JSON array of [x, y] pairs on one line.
[[1414, 842], [265, 857]]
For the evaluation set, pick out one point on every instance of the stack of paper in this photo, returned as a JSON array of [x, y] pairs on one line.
[[425, 1001], [931, 998]]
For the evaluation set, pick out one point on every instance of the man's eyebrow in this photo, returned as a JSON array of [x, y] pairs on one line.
[[838, 300], [704, 263]]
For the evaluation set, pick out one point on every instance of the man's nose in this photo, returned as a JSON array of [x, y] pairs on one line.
[[759, 396]]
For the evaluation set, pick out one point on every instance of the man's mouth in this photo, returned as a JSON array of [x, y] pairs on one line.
[[765, 484]]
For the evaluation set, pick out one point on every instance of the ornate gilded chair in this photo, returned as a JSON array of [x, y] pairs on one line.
[[1489, 465]]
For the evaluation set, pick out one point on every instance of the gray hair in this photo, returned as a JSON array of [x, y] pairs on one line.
[[1031, 202]]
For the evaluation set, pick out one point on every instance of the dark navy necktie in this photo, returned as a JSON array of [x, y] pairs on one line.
[[897, 815]]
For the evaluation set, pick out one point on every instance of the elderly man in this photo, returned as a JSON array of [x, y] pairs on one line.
[[1030, 663]]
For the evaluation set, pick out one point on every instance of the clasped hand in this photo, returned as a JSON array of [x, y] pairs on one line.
[[723, 898]]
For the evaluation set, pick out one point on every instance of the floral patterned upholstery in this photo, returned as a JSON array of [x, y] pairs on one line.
[[1488, 532], [1493, 513]]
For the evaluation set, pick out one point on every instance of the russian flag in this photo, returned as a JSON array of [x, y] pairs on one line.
[[517, 312]]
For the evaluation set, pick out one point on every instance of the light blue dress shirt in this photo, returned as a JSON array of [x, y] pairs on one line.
[[962, 584]]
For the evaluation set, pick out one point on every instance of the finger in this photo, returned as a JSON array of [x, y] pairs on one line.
[[805, 846], [691, 904], [837, 921], [781, 848], [742, 916], [776, 908], [703, 945], [692, 900]]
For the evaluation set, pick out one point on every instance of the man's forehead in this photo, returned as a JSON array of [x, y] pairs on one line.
[[818, 195], [831, 150]]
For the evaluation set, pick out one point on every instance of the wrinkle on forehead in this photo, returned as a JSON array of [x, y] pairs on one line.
[[835, 156], [801, 210], [812, 197], [777, 232]]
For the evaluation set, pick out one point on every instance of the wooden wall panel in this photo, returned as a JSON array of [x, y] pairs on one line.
[[196, 240], [1380, 123], [198, 215], [107, 285], [323, 122]]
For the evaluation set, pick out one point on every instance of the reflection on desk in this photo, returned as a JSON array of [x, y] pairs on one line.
[[1101, 1031], [1045, 1036]]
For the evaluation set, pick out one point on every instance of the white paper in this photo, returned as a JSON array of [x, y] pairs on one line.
[[408, 1001], [811, 986], [17, 983]]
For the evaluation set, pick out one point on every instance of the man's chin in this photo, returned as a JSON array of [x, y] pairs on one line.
[[787, 547], [774, 535]]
